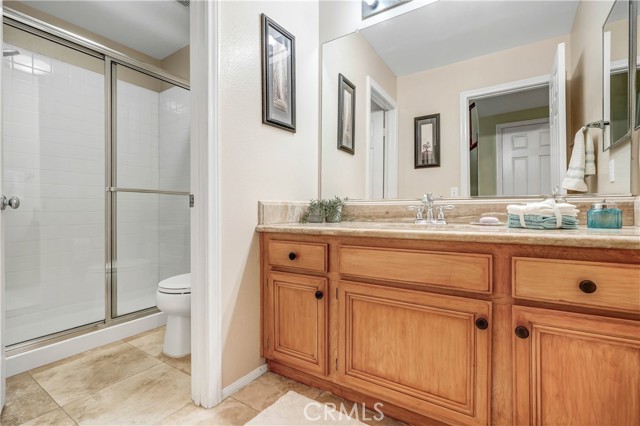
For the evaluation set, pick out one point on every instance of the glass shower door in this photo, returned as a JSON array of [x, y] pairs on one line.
[[53, 161], [151, 181]]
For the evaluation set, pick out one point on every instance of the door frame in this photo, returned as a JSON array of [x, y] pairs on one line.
[[206, 279], [3, 384], [499, 129], [485, 92], [375, 93]]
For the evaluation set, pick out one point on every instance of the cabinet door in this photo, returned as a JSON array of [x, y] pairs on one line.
[[574, 369], [298, 316], [418, 350]]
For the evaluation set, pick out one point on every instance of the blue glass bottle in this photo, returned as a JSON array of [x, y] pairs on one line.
[[604, 215]]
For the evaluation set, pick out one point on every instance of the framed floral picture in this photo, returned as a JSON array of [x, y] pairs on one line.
[[278, 76], [427, 141], [346, 115]]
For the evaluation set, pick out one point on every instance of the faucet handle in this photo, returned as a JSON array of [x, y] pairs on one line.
[[441, 210]]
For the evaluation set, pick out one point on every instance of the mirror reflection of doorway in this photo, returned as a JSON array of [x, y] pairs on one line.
[[512, 153], [382, 143]]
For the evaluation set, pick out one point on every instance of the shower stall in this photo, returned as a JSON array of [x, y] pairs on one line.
[[96, 160]]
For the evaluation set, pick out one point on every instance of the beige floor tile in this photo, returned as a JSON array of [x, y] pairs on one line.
[[145, 398], [229, 413], [25, 401], [266, 390], [367, 416], [183, 364], [96, 369], [151, 341], [53, 418]]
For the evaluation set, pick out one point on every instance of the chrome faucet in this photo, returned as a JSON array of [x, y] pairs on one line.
[[427, 201]]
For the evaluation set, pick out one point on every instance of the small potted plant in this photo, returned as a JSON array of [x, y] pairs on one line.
[[316, 212], [333, 209]]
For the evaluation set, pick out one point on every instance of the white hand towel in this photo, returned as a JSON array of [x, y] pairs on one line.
[[547, 207], [574, 179], [590, 156]]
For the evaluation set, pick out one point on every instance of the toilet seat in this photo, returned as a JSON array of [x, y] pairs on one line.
[[180, 284]]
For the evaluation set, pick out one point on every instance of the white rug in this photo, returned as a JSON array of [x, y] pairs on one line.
[[294, 409]]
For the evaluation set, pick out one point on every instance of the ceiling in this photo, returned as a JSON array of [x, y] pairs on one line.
[[517, 101], [155, 27], [450, 31]]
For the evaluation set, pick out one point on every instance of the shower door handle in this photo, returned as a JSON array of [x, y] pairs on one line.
[[13, 202]]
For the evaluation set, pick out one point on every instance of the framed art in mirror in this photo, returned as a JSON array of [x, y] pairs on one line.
[[278, 76], [427, 141], [346, 115]]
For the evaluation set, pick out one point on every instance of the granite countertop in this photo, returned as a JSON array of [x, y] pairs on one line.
[[625, 238]]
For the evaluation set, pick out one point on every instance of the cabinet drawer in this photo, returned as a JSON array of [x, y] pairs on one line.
[[453, 270], [292, 254], [595, 284]]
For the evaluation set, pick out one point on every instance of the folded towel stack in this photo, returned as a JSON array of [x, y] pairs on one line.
[[543, 215]]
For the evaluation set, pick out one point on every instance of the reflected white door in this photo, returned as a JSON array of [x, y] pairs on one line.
[[526, 159], [377, 154], [558, 120]]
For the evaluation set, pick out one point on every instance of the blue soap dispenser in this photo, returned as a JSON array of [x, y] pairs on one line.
[[604, 215]]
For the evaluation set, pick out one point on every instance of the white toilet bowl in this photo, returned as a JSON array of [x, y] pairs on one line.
[[174, 299]]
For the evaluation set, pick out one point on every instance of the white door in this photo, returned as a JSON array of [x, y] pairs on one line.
[[558, 121], [525, 158], [377, 154]]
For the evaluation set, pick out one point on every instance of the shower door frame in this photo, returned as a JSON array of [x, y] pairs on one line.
[[111, 58]]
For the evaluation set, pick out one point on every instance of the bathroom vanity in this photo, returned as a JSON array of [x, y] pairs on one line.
[[458, 324]]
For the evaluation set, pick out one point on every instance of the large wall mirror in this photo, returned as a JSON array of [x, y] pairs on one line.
[[510, 98]]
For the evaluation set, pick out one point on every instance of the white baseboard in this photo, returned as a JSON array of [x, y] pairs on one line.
[[243, 381], [25, 361]]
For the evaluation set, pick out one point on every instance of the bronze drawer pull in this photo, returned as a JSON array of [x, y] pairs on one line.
[[522, 332], [588, 286], [292, 256], [482, 323]]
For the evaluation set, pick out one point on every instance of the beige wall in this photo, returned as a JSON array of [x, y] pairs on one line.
[[344, 174], [438, 91], [586, 94], [177, 63], [259, 162]]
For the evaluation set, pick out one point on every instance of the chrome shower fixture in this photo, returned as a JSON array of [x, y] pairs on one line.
[[10, 52]]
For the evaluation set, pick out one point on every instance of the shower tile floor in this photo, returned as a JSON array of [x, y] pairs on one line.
[[132, 382]]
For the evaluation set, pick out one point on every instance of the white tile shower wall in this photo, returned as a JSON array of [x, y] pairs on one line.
[[174, 242], [53, 142]]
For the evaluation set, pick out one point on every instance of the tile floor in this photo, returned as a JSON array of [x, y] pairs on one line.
[[132, 382]]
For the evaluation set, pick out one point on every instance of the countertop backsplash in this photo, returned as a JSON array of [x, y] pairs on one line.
[[465, 211]]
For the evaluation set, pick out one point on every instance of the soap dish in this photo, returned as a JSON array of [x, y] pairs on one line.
[[488, 224]]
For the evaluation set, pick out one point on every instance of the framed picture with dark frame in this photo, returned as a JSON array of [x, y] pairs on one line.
[[346, 115], [278, 76], [427, 141]]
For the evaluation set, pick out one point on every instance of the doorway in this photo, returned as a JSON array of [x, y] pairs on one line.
[[382, 141], [553, 87]]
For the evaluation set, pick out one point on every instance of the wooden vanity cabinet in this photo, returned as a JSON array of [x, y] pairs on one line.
[[575, 369], [457, 333], [416, 349], [297, 312]]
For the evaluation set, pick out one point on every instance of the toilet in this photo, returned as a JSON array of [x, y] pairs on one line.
[[174, 299]]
